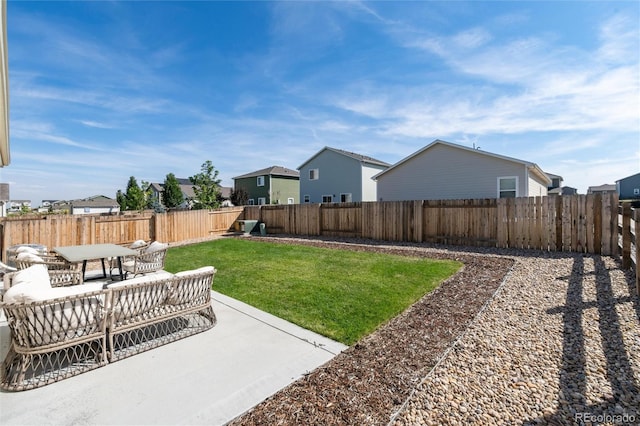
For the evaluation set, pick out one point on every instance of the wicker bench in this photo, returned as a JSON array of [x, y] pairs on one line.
[[59, 332]]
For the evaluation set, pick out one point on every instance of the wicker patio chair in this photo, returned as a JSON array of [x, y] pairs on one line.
[[149, 259], [61, 272]]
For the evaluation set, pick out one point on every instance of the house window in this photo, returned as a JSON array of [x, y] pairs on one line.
[[636, 191], [307, 199], [345, 198], [327, 198], [508, 187], [260, 181], [314, 174], [262, 201], [251, 202], [291, 201]]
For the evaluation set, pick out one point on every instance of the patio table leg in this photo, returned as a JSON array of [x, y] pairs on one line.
[[120, 268], [84, 268]]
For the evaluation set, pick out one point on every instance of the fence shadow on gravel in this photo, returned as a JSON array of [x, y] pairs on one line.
[[617, 406]]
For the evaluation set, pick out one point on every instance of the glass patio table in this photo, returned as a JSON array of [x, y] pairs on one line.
[[85, 252]]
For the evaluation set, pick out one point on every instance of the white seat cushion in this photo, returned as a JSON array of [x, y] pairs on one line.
[[28, 284], [27, 249], [195, 271], [137, 244], [28, 257], [156, 246]]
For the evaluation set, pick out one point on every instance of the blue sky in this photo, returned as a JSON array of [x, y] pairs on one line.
[[101, 91]]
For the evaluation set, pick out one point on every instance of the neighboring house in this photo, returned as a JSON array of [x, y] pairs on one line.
[[94, 205], [563, 190], [602, 189], [54, 206], [336, 176], [556, 188], [17, 205], [629, 188], [444, 170], [556, 181], [4, 199], [185, 186], [187, 191], [60, 206], [273, 185]]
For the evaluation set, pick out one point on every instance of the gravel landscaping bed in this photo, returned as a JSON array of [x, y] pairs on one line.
[[515, 337]]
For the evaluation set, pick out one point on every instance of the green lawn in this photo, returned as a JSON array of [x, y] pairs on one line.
[[341, 294]]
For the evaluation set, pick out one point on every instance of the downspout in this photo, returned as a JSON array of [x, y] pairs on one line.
[[526, 180]]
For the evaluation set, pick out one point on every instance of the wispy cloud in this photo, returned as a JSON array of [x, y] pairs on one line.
[[545, 91]]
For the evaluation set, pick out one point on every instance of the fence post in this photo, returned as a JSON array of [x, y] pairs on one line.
[[626, 235], [597, 223], [636, 219], [559, 224]]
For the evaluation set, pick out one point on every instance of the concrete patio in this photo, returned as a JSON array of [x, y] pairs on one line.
[[209, 378]]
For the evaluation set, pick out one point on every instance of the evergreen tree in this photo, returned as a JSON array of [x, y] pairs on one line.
[[121, 199], [150, 200], [206, 187], [172, 196], [134, 197]]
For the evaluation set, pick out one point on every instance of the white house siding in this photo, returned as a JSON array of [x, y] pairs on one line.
[[95, 210], [443, 172], [536, 188], [338, 174], [369, 186]]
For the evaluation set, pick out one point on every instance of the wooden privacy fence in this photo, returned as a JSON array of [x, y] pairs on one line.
[[64, 230], [581, 223]]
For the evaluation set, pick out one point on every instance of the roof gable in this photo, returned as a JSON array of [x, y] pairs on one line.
[[532, 166], [358, 157], [629, 177]]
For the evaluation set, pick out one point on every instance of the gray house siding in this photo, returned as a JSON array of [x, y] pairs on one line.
[[629, 187], [337, 174], [447, 172]]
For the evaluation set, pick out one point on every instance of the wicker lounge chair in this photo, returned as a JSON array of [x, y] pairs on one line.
[[58, 333]]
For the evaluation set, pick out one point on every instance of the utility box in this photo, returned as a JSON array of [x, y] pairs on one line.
[[247, 226]]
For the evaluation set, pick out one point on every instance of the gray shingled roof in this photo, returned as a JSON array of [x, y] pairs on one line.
[[273, 171], [358, 157], [363, 158]]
